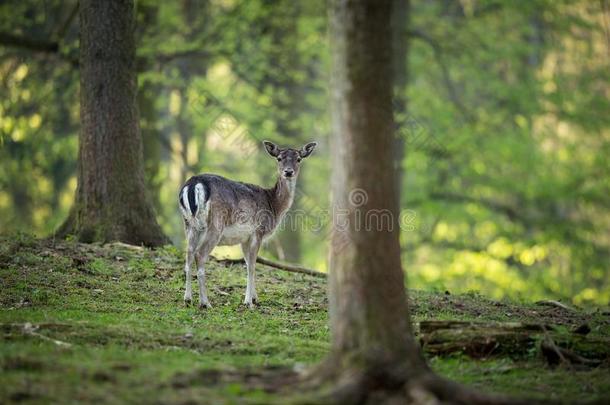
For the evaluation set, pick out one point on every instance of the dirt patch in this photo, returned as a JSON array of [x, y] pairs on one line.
[[269, 379], [20, 363], [21, 396], [103, 376]]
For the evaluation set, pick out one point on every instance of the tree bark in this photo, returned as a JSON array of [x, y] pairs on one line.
[[369, 315], [374, 357], [111, 201]]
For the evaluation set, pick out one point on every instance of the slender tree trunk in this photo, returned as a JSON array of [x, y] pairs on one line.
[[111, 201], [193, 12], [151, 141], [288, 101], [368, 305], [147, 95]]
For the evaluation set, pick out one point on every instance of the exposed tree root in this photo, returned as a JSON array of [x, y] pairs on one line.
[[345, 379], [379, 386], [444, 391]]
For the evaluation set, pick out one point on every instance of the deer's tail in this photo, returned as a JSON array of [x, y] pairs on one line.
[[194, 200]]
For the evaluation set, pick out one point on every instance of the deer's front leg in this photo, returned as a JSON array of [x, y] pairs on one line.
[[250, 249], [208, 243]]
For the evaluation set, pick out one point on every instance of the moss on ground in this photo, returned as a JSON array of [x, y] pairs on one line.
[[92, 323]]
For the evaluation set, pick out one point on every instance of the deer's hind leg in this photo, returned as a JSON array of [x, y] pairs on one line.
[[207, 243], [192, 237]]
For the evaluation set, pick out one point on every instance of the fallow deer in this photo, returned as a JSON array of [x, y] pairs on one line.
[[220, 212]]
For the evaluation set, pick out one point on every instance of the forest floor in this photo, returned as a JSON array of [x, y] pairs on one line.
[[92, 323]]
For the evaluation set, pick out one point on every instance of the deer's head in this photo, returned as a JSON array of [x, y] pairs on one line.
[[288, 159]]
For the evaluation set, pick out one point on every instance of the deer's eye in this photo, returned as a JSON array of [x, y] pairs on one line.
[[299, 159], [279, 159]]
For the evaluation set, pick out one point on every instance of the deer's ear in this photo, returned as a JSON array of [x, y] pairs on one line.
[[307, 149], [271, 148]]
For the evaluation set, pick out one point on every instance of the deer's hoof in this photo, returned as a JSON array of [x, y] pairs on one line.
[[252, 305], [188, 302], [205, 305]]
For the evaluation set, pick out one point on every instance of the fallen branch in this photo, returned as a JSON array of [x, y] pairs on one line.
[[126, 246], [553, 303], [29, 329], [482, 340], [551, 352], [431, 326], [477, 340], [554, 355], [293, 268]]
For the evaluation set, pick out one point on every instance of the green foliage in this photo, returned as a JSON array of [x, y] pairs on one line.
[[514, 202], [506, 182]]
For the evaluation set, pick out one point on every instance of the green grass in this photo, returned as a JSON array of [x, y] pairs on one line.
[[90, 323]]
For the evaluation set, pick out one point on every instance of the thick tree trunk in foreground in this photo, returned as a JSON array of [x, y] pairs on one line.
[[374, 357], [368, 305], [369, 311], [111, 202]]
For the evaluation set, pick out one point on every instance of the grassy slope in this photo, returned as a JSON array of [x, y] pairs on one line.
[[132, 340]]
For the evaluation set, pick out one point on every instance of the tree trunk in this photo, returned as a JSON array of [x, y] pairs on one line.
[[151, 140], [111, 201], [374, 357], [288, 100], [371, 331], [147, 95]]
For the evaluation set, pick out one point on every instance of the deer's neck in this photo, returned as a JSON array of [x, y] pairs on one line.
[[282, 195]]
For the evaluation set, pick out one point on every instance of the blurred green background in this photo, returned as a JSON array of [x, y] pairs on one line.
[[506, 175]]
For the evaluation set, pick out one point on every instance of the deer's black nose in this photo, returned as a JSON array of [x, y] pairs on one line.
[[288, 172]]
